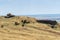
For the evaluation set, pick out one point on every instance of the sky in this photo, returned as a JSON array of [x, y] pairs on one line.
[[29, 7]]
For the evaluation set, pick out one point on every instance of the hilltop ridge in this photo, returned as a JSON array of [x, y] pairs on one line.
[[26, 28]]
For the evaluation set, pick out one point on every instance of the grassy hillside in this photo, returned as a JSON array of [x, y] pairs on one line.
[[30, 31]]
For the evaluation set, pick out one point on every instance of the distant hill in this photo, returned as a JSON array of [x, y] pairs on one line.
[[46, 16]]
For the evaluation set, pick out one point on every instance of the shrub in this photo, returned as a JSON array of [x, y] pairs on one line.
[[2, 26], [9, 15], [16, 23]]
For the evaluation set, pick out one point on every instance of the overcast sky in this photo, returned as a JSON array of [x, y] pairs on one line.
[[29, 7]]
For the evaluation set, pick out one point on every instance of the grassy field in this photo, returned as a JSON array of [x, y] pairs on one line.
[[30, 31]]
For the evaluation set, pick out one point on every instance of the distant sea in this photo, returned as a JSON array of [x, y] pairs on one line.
[[46, 16]]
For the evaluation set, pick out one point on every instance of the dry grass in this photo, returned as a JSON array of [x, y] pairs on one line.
[[31, 31]]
